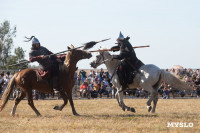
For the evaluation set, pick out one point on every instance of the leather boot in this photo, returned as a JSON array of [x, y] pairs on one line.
[[56, 83], [122, 82]]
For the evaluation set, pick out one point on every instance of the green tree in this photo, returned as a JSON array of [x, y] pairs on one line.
[[6, 42], [17, 58]]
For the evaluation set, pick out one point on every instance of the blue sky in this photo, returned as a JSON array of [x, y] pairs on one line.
[[170, 27]]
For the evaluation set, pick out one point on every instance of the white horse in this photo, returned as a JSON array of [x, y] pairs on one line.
[[149, 78]]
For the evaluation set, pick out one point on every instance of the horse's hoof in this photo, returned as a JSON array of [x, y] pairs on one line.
[[56, 108], [77, 114], [128, 109], [153, 111], [39, 115], [132, 110], [149, 108]]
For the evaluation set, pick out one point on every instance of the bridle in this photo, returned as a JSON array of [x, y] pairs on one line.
[[101, 54], [115, 69]]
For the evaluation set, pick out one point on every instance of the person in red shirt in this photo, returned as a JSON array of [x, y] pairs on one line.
[[83, 89]]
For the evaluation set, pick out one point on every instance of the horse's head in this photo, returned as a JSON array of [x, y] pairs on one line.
[[78, 54], [100, 59]]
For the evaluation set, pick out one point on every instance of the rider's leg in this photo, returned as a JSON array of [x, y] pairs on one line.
[[122, 79], [56, 79]]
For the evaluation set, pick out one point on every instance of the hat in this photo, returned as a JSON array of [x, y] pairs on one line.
[[120, 36], [35, 41]]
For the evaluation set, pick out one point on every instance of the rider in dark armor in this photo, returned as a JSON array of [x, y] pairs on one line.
[[129, 62], [48, 65]]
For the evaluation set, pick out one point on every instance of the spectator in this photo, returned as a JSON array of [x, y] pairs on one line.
[[6, 80], [95, 91], [98, 75], [103, 91], [83, 75], [91, 73], [90, 90], [108, 89], [75, 76], [137, 93], [79, 80], [83, 89], [105, 82], [101, 74], [166, 92], [8, 73], [1, 84]]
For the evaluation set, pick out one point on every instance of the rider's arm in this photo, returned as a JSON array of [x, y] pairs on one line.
[[37, 58], [115, 48], [33, 56], [121, 56]]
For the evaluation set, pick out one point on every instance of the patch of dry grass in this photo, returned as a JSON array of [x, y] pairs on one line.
[[102, 115]]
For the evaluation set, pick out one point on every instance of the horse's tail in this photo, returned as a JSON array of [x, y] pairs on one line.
[[7, 92], [173, 80]]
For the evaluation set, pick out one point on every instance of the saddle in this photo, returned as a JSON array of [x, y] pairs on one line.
[[47, 76], [41, 74], [129, 70]]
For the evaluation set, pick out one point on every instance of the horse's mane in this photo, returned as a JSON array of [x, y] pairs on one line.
[[68, 56]]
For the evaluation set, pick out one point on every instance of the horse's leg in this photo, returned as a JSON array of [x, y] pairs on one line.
[[149, 107], [72, 103], [17, 100], [30, 102], [119, 97], [120, 100], [64, 96], [155, 99], [149, 89]]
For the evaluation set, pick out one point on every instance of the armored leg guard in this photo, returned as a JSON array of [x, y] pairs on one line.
[[56, 83]]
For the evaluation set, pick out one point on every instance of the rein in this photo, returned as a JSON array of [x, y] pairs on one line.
[[114, 69], [103, 59]]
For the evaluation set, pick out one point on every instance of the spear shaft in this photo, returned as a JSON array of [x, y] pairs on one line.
[[85, 46], [118, 49]]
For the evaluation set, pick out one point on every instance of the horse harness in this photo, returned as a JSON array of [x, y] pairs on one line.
[[135, 67]]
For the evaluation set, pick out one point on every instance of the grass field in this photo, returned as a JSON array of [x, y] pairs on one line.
[[102, 115]]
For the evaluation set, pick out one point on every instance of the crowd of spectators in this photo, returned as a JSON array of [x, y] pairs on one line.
[[96, 84], [190, 76], [4, 79]]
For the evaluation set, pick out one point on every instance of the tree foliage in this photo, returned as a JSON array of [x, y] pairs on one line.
[[6, 42], [17, 58]]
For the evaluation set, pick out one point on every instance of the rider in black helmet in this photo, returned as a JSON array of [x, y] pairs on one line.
[[48, 64], [129, 61]]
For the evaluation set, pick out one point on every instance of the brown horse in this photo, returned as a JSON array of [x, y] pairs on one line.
[[27, 81]]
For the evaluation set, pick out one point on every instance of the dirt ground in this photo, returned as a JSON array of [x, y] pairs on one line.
[[102, 115]]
